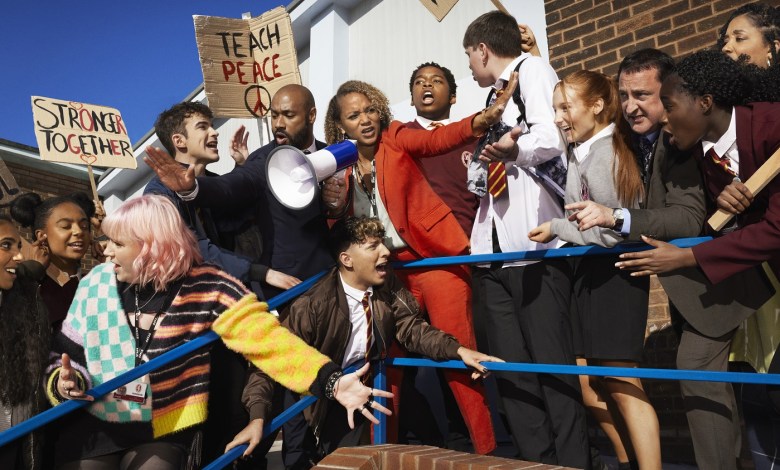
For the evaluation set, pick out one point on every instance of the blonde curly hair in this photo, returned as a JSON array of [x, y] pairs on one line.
[[333, 117]]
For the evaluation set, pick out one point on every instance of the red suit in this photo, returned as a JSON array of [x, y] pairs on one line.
[[430, 229]]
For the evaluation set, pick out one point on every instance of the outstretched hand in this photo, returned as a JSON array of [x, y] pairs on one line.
[[239, 150], [68, 383], [474, 359], [174, 176], [664, 258], [354, 396]]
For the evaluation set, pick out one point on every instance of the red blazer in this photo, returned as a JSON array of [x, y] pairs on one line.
[[421, 218], [758, 136]]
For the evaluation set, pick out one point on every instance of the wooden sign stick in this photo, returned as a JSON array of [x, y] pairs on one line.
[[92, 183], [499, 6], [755, 184]]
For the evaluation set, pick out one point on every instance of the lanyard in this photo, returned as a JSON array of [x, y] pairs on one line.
[[140, 349], [371, 195]]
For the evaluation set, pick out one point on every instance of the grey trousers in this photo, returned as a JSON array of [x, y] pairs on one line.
[[711, 408]]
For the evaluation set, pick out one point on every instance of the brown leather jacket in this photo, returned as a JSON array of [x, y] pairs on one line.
[[321, 318]]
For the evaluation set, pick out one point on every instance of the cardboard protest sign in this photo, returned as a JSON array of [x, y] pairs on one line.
[[81, 133], [439, 8], [245, 61]]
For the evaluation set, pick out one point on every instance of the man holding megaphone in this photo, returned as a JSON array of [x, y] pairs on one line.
[[293, 239]]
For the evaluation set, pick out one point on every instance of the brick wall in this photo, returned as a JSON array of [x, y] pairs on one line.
[[597, 35], [395, 456], [49, 184]]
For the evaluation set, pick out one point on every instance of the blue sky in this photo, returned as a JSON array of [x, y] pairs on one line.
[[138, 56]]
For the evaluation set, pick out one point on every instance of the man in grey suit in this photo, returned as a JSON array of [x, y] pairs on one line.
[[674, 207]]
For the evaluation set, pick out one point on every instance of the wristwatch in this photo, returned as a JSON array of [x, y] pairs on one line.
[[617, 215]]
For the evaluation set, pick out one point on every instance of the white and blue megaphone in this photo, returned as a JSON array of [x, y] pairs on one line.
[[294, 177]]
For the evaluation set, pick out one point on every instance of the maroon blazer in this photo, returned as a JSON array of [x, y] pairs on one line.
[[758, 239]]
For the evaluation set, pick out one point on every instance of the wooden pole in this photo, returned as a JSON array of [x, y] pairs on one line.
[[755, 184], [500, 7]]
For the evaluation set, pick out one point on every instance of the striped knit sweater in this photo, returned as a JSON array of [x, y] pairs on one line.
[[99, 341]]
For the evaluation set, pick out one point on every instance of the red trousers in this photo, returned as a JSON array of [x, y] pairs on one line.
[[445, 293]]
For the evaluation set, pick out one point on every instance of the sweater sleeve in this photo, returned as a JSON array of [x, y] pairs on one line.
[[568, 231], [596, 173], [70, 339], [247, 328]]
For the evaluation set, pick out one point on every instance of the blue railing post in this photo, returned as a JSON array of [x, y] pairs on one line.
[[380, 383]]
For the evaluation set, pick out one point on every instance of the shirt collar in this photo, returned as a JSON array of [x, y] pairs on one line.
[[311, 148], [356, 294], [503, 79], [425, 122], [582, 150], [726, 141], [651, 137]]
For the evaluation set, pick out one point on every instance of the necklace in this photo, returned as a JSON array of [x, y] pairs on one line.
[[139, 307]]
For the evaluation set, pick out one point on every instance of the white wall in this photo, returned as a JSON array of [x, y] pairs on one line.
[[377, 41]]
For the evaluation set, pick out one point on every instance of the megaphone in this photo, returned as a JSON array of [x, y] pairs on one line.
[[294, 176]]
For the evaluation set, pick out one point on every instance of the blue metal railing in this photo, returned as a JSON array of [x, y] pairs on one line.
[[380, 434]]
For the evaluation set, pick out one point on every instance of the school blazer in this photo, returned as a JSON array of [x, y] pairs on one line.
[[675, 207], [758, 239]]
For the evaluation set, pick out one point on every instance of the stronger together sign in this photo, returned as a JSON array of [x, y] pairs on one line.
[[246, 61], [73, 132]]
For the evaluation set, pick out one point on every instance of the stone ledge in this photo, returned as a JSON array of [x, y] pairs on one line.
[[396, 456]]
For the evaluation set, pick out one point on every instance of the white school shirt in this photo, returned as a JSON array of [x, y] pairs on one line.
[[527, 202], [356, 346], [726, 145]]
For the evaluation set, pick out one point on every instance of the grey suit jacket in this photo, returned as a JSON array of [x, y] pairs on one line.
[[674, 207]]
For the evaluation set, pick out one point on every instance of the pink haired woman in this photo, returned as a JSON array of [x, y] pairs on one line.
[[153, 295]]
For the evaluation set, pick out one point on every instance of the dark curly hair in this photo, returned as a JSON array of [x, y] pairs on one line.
[[353, 231], [713, 73], [333, 116], [765, 18], [765, 82], [30, 210], [171, 121], [24, 339], [444, 70]]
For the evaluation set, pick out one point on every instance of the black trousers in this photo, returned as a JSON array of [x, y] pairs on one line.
[[526, 319]]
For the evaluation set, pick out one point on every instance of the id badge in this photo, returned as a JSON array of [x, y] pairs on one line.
[[134, 391]]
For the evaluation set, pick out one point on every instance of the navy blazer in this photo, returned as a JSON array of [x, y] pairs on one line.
[[294, 241]]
